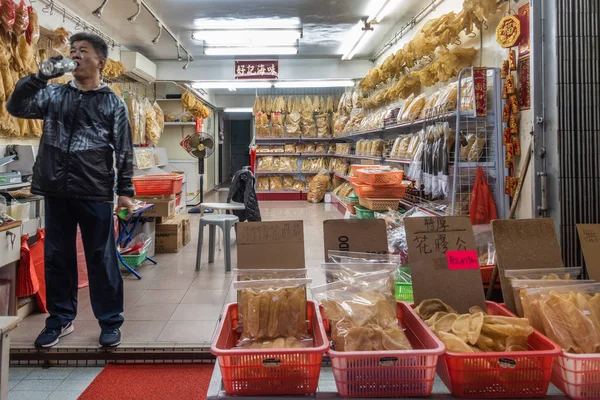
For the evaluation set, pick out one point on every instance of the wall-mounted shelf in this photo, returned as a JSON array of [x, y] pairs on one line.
[[180, 123]]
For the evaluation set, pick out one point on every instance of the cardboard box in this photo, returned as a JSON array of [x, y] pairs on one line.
[[524, 244], [589, 236], [356, 235], [169, 236], [187, 228], [270, 245], [162, 208]]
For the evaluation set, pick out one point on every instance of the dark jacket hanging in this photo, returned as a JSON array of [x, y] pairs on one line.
[[242, 191]]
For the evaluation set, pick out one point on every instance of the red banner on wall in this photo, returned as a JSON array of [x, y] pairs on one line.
[[524, 73], [265, 69], [525, 44], [480, 88]]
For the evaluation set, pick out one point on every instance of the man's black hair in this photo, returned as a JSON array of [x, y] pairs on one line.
[[99, 44]]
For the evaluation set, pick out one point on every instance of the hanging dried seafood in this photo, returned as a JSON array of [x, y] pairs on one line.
[[194, 106], [113, 69], [307, 122], [292, 121]]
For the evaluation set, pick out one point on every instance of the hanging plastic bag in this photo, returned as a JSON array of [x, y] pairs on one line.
[[27, 281], [32, 34], [21, 19], [483, 207], [37, 257], [7, 14]]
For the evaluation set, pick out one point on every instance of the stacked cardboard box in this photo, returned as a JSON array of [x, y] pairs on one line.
[[172, 231]]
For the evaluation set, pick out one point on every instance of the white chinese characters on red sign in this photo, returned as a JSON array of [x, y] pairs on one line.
[[257, 70]]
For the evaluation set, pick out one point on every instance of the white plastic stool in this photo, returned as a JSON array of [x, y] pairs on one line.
[[220, 208], [225, 222]]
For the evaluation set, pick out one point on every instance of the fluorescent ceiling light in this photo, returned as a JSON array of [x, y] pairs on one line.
[[354, 42], [386, 10], [231, 85], [238, 110], [314, 84], [250, 51], [248, 37], [249, 23]]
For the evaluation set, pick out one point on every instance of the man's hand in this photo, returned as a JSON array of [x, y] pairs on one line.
[[125, 203], [43, 77]]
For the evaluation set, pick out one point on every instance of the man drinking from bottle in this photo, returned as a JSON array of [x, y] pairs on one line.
[[86, 134]]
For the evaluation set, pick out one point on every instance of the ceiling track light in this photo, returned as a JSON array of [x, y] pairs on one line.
[[160, 29], [98, 11], [187, 64], [137, 13]]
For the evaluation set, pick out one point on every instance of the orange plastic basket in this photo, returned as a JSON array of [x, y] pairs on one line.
[[380, 192], [157, 184], [524, 374], [356, 167], [379, 204], [269, 371], [390, 373], [380, 178], [578, 375]]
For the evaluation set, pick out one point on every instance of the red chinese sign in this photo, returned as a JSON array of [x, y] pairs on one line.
[[257, 69], [524, 73], [480, 88], [525, 44]]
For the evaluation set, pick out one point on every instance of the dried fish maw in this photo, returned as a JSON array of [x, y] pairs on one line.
[[385, 314], [485, 343], [468, 327], [445, 323], [507, 330], [279, 343], [516, 343], [584, 304], [502, 320], [272, 304], [429, 307], [475, 310], [359, 339], [393, 338], [435, 318], [292, 343], [265, 314], [454, 343], [252, 322], [298, 301]]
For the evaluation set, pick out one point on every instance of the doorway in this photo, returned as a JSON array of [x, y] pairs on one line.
[[240, 143]]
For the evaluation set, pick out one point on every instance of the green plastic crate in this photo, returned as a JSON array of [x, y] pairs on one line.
[[135, 260], [404, 291], [365, 213]]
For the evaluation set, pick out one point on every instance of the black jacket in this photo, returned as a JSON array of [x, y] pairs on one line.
[[242, 191], [82, 131]]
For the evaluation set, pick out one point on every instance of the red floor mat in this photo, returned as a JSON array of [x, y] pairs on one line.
[[149, 382]]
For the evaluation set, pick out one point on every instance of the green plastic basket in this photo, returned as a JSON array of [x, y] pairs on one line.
[[135, 260], [404, 291], [365, 213]]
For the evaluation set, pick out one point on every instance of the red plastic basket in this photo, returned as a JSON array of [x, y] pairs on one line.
[[390, 373], [380, 192], [503, 375], [157, 184], [381, 178], [578, 375], [270, 371]]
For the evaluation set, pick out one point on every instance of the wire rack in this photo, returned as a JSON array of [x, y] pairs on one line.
[[482, 137]]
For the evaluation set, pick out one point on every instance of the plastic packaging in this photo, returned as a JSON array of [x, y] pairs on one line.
[[21, 19], [544, 273], [351, 257], [318, 186], [7, 12], [362, 314], [568, 315], [520, 285], [272, 309], [268, 274], [347, 271], [486, 251]]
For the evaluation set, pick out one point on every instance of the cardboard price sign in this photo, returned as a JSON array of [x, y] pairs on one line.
[[589, 236], [270, 245], [443, 261], [524, 244], [355, 235]]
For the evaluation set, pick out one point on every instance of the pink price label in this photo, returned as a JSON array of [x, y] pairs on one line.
[[462, 259]]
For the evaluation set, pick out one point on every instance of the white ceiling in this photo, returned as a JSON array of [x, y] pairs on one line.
[[325, 22]]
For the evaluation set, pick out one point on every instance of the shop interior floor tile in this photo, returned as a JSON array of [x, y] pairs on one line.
[[173, 303]]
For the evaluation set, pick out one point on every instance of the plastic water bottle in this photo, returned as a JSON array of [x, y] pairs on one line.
[[51, 67]]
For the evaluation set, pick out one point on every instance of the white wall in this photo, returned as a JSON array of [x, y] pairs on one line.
[[209, 70], [490, 54]]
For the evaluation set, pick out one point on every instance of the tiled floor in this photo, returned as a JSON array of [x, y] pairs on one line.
[[175, 305], [58, 383]]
